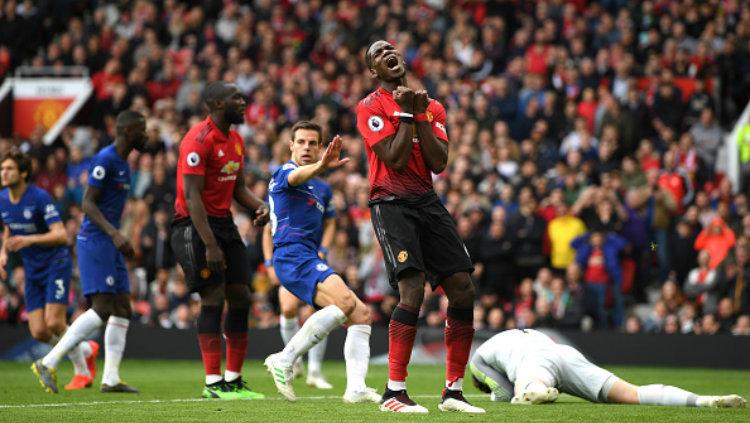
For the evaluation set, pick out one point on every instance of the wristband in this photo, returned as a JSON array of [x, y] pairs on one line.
[[421, 117], [406, 120], [268, 263], [403, 114], [323, 250]]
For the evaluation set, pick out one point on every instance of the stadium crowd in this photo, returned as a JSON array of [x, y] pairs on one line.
[[586, 161]]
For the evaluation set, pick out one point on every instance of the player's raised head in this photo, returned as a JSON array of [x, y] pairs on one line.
[[14, 167], [385, 62], [227, 99], [131, 126], [306, 141]]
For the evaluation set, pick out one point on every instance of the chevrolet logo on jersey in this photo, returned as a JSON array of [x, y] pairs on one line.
[[230, 167]]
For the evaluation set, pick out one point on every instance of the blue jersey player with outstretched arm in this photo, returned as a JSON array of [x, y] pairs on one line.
[[319, 228], [33, 228], [101, 247], [298, 210]]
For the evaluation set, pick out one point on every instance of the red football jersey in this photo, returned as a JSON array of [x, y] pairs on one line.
[[206, 151], [376, 121]]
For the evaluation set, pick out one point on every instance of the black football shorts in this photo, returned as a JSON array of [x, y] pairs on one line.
[[421, 237], [191, 253]]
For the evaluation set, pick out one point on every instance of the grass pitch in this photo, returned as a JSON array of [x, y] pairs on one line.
[[170, 392]]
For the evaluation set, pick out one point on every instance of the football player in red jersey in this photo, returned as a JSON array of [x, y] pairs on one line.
[[406, 141], [205, 239]]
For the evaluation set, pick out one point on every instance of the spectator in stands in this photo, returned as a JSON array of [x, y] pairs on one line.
[[671, 296], [682, 254], [562, 230], [743, 326], [633, 325], [527, 229], [703, 284], [655, 321], [671, 325], [676, 180], [687, 316], [496, 319], [716, 239], [725, 315], [708, 137], [495, 265], [597, 253], [737, 286]]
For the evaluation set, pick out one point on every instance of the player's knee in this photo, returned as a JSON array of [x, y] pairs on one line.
[[347, 302], [40, 334], [102, 309], [411, 287], [460, 290], [55, 324], [212, 295], [289, 311], [122, 308], [361, 316], [238, 296], [412, 295]]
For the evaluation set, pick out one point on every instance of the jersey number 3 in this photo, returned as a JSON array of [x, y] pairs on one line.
[[60, 289]]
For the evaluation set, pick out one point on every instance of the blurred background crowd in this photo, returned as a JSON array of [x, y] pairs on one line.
[[586, 169]]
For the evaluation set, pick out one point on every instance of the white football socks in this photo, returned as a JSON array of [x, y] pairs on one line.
[[114, 345], [456, 385], [288, 327], [315, 357], [81, 328], [357, 356], [666, 395], [395, 385], [231, 376], [78, 359], [86, 348], [315, 329], [211, 379]]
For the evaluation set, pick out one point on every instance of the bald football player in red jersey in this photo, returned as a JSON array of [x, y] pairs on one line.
[[406, 141], [206, 241]]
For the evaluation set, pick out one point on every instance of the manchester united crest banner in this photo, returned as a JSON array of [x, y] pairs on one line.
[[47, 104]]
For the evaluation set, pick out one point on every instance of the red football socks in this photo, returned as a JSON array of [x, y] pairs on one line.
[[459, 333], [210, 344], [236, 350], [401, 333]]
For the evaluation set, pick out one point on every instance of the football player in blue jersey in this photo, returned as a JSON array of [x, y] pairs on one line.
[[101, 247], [33, 229], [292, 308], [298, 209]]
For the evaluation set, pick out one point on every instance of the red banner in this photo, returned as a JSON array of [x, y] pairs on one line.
[[32, 113], [47, 104]]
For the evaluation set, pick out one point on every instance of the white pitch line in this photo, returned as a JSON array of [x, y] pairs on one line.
[[179, 400]]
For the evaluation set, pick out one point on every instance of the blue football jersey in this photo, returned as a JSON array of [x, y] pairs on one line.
[[111, 174], [33, 214], [298, 213]]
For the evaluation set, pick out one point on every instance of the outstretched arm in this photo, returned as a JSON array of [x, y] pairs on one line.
[[330, 160]]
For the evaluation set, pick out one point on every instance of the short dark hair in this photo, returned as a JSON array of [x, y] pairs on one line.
[[215, 91], [306, 124], [481, 385], [22, 161], [127, 118], [368, 59]]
